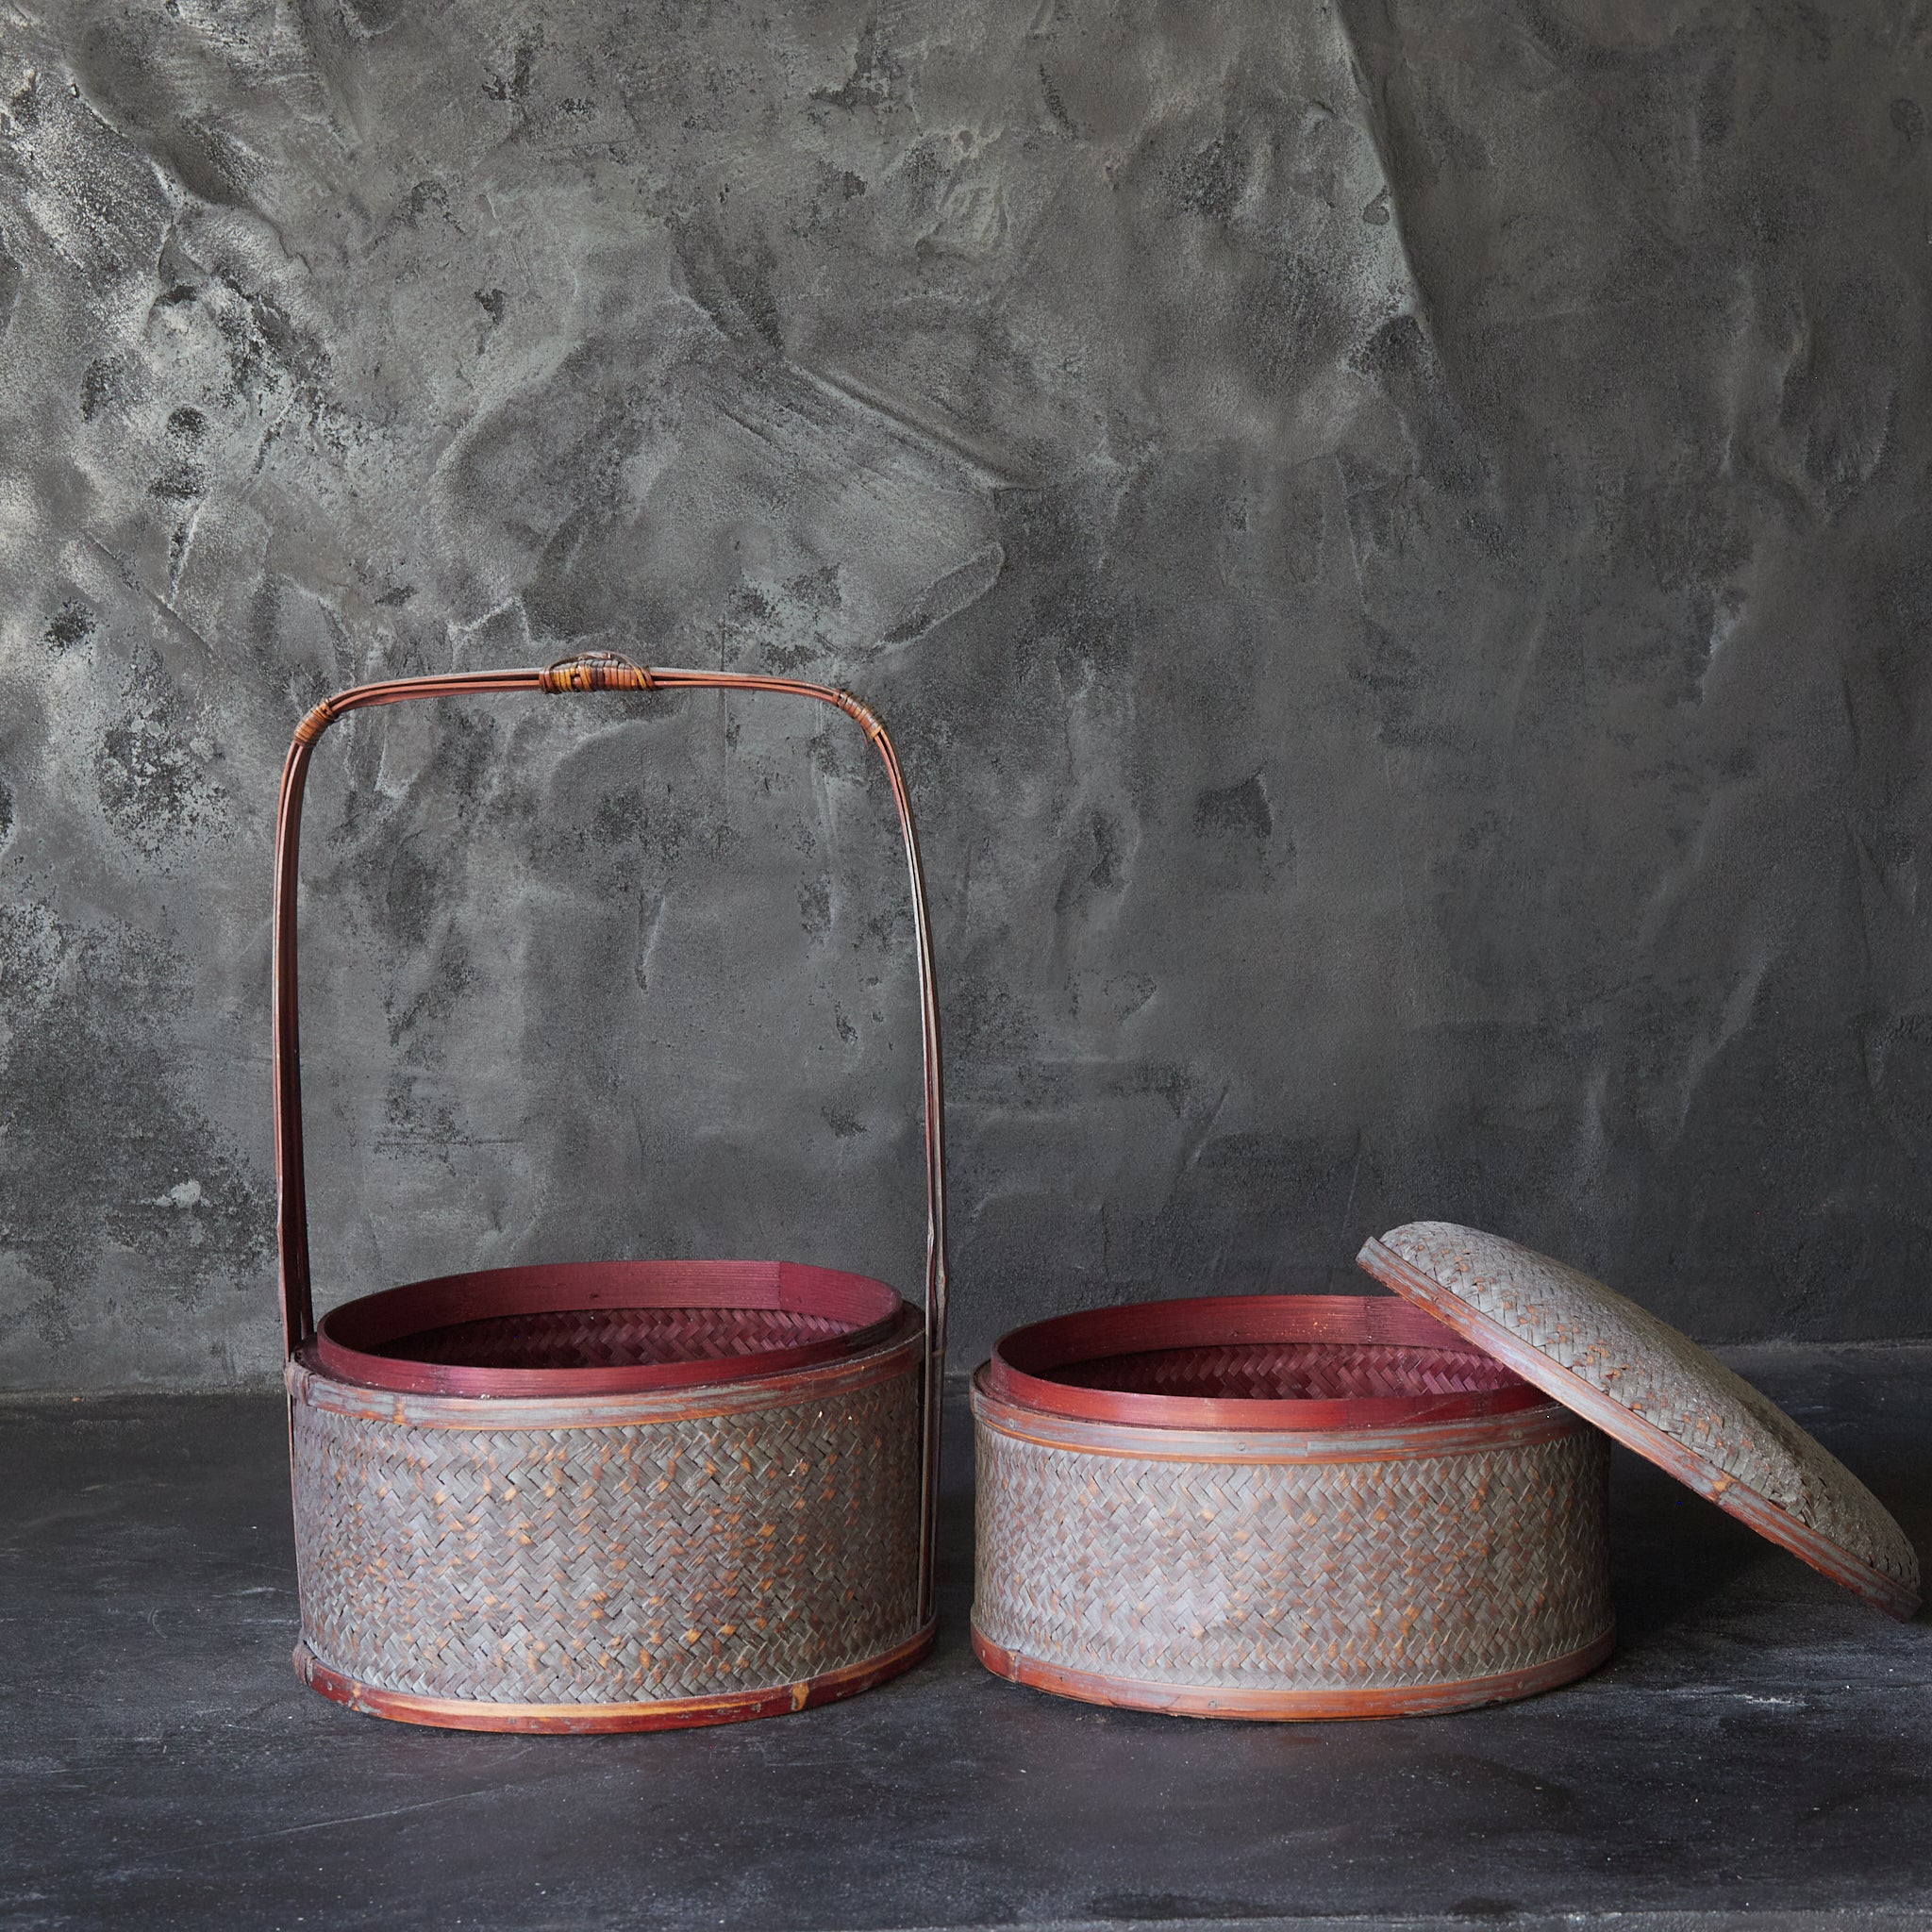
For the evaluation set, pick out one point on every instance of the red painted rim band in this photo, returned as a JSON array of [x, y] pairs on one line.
[[1022, 1366], [366, 1341]]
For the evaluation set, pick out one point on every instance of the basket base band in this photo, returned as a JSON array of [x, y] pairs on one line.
[[676, 1714], [1376, 1700]]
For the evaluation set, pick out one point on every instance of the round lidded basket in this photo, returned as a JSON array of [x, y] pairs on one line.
[[611, 1495], [1282, 1507]]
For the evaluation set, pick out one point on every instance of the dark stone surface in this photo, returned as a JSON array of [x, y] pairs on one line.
[[1394, 539], [1757, 1753]]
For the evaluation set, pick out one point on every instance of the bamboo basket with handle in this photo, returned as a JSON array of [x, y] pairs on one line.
[[609, 1495]]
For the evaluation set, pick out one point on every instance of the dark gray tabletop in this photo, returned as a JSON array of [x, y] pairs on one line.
[[1757, 1753]]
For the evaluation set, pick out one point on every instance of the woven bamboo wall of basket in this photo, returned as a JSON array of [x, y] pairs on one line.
[[609, 1495], [1344, 1511], [612, 1562]]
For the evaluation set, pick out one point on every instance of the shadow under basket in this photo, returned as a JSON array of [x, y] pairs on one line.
[[614, 1495], [1282, 1507]]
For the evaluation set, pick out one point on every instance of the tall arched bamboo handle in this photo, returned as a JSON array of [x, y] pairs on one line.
[[596, 671]]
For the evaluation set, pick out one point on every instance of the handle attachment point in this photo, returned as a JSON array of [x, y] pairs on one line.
[[596, 671], [859, 715], [316, 722]]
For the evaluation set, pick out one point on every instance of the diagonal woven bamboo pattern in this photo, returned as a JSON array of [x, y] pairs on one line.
[[1293, 1372], [613, 1338], [1658, 1373], [1417, 1570], [632, 1563]]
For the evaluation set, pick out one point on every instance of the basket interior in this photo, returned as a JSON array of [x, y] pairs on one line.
[[603, 1326], [1293, 1372], [1253, 1361], [613, 1338]]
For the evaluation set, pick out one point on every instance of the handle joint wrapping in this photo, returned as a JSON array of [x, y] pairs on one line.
[[596, 671], [316, 722]]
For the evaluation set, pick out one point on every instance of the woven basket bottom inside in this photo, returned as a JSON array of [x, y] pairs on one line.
[[1291, 1372], [613, 1338]]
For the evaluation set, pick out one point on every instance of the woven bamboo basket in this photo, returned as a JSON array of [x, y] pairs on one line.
[[613, 1496], [1282, 1507]]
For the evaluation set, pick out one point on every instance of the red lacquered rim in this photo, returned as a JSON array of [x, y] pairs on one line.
[[1023, 1364], [347, 1337]]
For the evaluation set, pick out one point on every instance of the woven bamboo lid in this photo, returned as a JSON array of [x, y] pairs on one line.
[[1657, 1392]]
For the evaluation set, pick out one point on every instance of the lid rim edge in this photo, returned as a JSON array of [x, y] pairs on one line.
[[1750, 1506]]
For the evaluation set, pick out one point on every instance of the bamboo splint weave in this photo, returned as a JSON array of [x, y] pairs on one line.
[[1307, 1370], [1657, 1390], [616, 1337], [1435, 1537], [693, 1553]]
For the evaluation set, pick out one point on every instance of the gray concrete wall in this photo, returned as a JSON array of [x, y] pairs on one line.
[[1395, 541]]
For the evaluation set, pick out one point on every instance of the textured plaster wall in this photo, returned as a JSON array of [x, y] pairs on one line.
[[1394, 540]]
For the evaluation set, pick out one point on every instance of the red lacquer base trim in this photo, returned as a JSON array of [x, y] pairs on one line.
[[1388, 1700], [677, 1714]]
